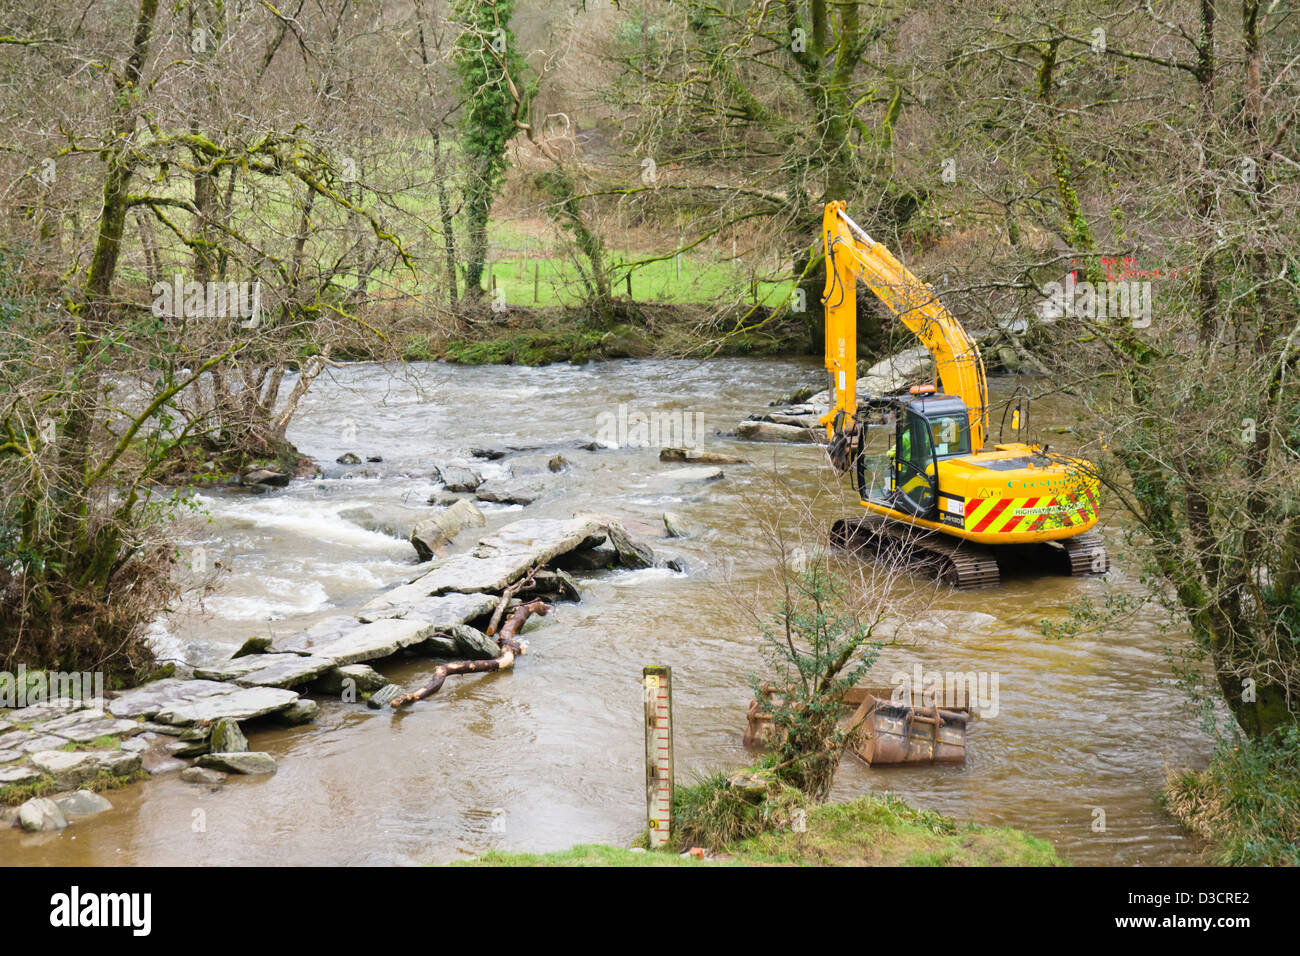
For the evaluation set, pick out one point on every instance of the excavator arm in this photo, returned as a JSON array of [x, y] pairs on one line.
[[852, 255]]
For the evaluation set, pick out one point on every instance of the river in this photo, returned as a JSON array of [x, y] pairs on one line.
[[551, 754]]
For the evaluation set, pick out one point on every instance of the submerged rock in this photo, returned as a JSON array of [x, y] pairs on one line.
[[203, 775], [250, 762], [686, 475], [81, 803], [674, 527]]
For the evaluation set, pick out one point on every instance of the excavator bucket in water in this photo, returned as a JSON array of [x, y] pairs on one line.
[[884, 731]]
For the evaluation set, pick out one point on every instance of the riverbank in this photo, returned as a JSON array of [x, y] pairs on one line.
[[875, 830]]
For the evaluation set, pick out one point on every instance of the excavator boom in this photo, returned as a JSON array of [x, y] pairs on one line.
[[851, 255]]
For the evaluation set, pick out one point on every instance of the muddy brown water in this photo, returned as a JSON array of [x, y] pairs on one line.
[[551, 754]]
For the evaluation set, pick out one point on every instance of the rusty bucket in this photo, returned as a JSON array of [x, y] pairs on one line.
[[884, 731]]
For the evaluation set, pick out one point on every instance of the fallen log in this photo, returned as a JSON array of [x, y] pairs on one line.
[[506, 640]]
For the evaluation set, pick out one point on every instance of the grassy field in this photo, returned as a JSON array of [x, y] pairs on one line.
[[869, 831]]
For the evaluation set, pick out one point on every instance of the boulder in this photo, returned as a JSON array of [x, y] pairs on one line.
[[506, 491], [41, 814], [630, 554], [558, 463], [772, 432], [254, 645], [458, 478], [250, 762], [348, 458], [267, 478], [227, 737], [463, 643], [439, 530], [674, 527], [81, 803]]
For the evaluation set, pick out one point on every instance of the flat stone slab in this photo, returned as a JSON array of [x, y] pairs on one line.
[[58, 724], [42, 742], [242, 703], [45, 711], [8, 756], [84, 733], [18, 775], [499, 559], [268, 670], [375, 641], [71, 769], [148, 699], [441, 610], [319, 634]]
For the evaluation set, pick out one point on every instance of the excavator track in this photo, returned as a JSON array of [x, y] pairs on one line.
[[1086, 553], [963, 565]]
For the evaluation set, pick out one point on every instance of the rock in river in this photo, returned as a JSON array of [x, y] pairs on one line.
[[458, 478], [242, 703], [772, 432], [227, 737], [439, 530], [82, 803], [248, 762], [41, 814]]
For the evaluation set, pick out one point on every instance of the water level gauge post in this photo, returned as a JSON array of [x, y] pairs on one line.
[[658, 688]]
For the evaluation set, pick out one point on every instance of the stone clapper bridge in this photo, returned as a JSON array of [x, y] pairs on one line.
[[174, 718]]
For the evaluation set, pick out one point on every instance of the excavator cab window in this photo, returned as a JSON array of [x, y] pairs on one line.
[[950, 435], [915, 469]]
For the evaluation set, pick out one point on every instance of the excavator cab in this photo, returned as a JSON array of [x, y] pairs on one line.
[[929, 428]]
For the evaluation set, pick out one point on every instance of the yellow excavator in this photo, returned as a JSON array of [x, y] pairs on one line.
[[937, 498]]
